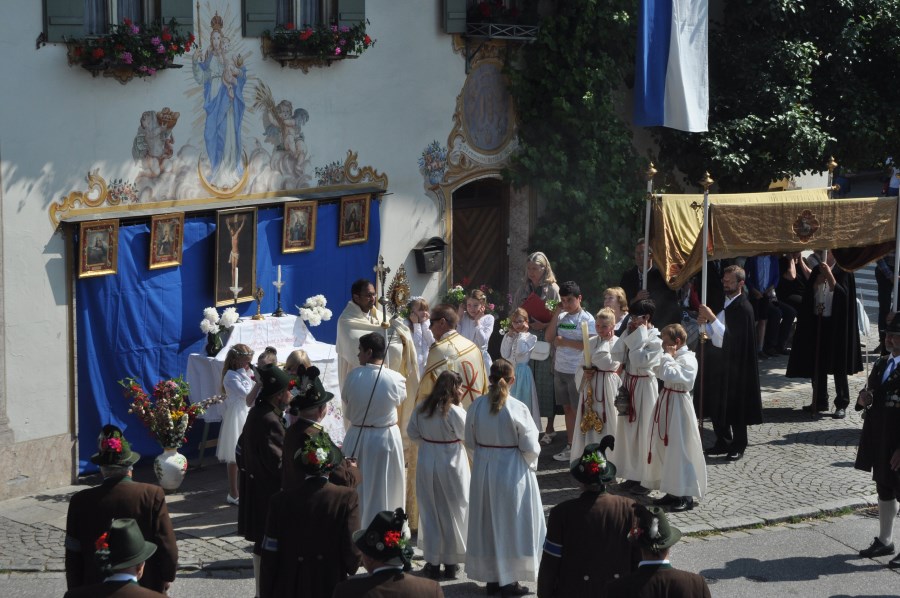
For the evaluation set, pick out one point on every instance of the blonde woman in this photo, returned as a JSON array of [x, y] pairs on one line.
[[506, 518], [240, 389], [614, 298]]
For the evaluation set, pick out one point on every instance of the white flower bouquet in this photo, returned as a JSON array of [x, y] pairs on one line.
[[314, 311], [217, 328]]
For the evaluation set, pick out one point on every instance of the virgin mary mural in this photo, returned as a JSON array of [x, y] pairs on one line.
[[222, 77]]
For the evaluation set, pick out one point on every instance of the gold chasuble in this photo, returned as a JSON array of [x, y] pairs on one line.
[[457, 354], [401, 357]]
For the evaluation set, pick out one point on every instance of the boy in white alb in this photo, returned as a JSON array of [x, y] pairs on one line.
[[564, 331]]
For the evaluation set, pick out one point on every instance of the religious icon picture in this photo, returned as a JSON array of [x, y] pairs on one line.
[[354, 220], [166, 239], [299, 227], [235, 255], [98, 248]]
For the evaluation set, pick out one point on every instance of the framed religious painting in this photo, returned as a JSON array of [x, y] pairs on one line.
[[98, 248], [354, 220], [166, 239], [299, 227], [235, 255]]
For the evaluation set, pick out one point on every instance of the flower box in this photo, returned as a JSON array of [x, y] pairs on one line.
[[318, 46]]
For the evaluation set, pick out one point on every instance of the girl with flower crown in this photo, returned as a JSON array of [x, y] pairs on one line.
[[240, 390]]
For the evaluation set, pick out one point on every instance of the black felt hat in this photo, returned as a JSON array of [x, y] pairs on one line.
[[652, 529], [123, 546], [592, 467], [893, 326], [384, 538], [113, 449], [308, 390], [274, 381]]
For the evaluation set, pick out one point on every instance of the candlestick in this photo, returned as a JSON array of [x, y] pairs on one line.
[[279, 274], [587, 345]]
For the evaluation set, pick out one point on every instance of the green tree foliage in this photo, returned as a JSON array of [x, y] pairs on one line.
[[576, 151], [792, 82]]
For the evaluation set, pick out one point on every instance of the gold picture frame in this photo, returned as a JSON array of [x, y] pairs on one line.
[[166, 240], [354, 219], [98, 248], [299, 230], [235, 255]]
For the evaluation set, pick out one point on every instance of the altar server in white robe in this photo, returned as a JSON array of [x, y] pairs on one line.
[[604, 382], [372, 396], [506, 518], [640, 349], [438, 426], [676, 463]]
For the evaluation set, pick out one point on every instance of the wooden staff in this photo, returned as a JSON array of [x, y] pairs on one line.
[[820, 310], [651, 172], [706, 183]]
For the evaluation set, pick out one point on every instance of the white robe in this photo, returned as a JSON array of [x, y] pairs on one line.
[[605, 385], [516, 348], [643, 347], [422, 340], [238, 385], [479, 333], [442, 484], [506, 517], [374, 438], [679, 468]]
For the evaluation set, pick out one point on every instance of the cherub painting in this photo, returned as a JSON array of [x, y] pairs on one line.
[[154, 143]]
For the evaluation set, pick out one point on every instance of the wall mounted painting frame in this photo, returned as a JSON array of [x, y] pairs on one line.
[[98, 248], [235, 256], [354, 219], [299, 226], [166, 240]]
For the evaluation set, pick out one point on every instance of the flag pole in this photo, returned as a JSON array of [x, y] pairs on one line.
[[706, 182]]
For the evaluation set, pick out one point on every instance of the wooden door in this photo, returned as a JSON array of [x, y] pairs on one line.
[[480, 215]]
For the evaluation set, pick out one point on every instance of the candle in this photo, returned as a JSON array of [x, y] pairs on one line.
[[237, 276], [279, 275], [587, 345]]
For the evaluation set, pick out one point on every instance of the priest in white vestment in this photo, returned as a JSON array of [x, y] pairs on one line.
[[453, 352], [371, 399], [506, 517]]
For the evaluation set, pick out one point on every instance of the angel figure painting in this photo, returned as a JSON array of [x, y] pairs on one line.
[[154, 142], [287, 165]]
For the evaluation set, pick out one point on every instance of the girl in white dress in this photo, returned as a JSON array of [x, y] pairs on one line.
[[506, 517], [517, 345], [240, 390], [420, 328], [475, 324], [438, 427], [604, 381]]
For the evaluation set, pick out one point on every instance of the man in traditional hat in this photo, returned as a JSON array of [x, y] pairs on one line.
[[121, 555], [260, 447], [587, 537], [385, 554], [879, 445], [92, 510], [308, 546], [452, 351], [309, 405], [655, 576]]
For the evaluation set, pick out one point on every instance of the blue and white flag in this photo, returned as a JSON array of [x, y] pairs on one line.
[[672, 71]]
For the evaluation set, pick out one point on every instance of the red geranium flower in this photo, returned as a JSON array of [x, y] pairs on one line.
[[166, 36], [311, 458], [101, 543], [367, 41], [98, 53], [593, 468], [392, 539], [289, 26]]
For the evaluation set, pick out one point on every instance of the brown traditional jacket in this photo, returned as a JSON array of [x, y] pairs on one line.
[[388, 583], [260, 446], [659, 581]]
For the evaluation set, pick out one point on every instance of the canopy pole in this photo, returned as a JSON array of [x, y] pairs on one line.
[[896, 250], [706, 183], [651, 172]]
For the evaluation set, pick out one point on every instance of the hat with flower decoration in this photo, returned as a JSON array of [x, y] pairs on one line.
[[652, 530], [593, 468], [307, 390], [274, 381], [386, 538], [123, 546], [318, 455], [114, 449]]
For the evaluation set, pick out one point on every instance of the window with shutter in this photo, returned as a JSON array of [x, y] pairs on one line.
[[180, 10], [258, 16], [454, 16], [351, 12]]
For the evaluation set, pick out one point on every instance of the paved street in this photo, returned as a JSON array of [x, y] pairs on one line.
[[796, 467]]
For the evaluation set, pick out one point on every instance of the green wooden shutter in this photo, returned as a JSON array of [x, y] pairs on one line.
[[181, 11], [454, 16], [258, 16], [351, 12], [63, 18]]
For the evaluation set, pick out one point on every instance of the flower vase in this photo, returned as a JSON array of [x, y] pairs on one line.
[[213, 344], [170, 468]]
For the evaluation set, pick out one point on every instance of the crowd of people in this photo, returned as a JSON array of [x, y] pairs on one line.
[[444, 440]]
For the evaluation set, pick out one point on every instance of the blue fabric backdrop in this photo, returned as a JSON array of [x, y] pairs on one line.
[[144, 323]]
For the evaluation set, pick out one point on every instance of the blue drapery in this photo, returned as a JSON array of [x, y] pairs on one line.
[[144, 323]]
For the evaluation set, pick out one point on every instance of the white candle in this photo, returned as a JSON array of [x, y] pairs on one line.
[[587, 345], [279, 275], [237, 277]]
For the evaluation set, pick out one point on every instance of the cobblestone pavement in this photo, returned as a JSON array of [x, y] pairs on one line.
[[796, 465]]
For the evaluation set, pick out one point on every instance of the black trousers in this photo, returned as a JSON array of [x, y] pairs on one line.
[[885, 289], [732, 435], [820, 391]]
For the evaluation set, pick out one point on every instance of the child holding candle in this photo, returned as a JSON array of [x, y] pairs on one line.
[[517, 345], [676, 464], [569, 329], [640, 349]]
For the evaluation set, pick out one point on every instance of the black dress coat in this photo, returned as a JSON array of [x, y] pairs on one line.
[[90, 514], [308, 548], [838, 343], [388, 583], [881, 427], [668, 311], [294, 439], [659, 581], [260, 446], [730, 374], [592, 531]]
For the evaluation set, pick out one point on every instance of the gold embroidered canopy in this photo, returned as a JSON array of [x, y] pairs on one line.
[[746, 224]]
